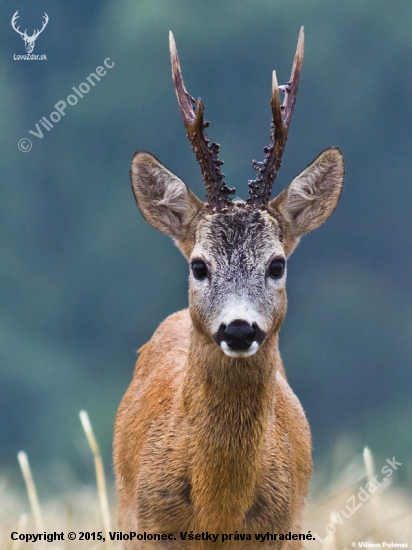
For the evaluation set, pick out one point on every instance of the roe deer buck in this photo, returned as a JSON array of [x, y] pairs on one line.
[[209, 437]]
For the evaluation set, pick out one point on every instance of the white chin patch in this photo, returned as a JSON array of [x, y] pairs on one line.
[[233, 353]]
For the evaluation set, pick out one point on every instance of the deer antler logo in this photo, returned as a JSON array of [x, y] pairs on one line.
[[29, 41]]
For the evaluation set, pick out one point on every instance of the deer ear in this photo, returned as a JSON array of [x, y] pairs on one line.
[[312, 196], [163, 199]]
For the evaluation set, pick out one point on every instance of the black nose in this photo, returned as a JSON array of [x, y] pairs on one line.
[[239, 335]]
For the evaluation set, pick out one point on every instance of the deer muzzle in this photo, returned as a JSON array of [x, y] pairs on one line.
[[239, 338]]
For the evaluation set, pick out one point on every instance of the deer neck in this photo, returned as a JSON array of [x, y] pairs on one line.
[[228, 402]]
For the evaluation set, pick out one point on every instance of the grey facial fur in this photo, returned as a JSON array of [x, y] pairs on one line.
[[237, 248]]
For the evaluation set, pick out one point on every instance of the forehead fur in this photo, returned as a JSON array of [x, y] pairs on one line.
[[241, 230]]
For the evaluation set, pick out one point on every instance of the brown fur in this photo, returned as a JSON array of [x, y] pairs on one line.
[[205, 442]]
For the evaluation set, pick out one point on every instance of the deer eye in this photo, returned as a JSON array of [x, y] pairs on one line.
[[277, 268], [199, 269]]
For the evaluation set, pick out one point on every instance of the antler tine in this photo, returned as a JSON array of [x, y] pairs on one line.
[[261, 187], [218, 193], [13, 23], [37, 32]]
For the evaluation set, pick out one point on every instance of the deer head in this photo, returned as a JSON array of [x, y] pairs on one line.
[[237, 251], [29, 41]]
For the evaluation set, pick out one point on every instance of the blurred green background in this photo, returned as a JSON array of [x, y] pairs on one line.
[[85, 281]]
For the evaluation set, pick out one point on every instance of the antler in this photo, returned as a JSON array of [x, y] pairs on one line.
[[36, 33], [261, 187], [13, 24], [218, 193]]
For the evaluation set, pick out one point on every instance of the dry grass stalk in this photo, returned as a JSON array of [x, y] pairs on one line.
[[31, 491], [370, 474], [331, 541], [101, 482], [20, 529], [336, 537]]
